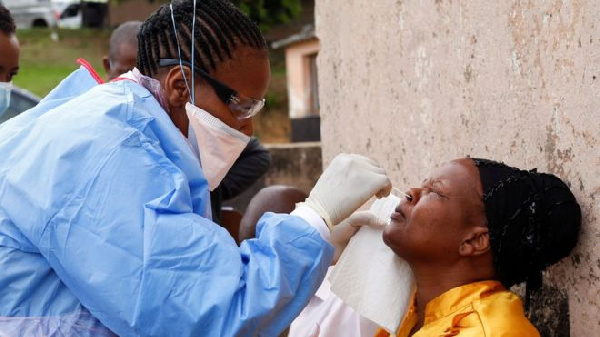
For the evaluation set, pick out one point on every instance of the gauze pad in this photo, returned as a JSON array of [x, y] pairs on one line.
[[371, 278]]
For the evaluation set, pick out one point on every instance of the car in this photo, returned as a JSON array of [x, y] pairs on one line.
[[37, 13], [70, 17], [20, 100]]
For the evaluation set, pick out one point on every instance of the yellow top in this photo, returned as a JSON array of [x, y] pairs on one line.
[[474, 310]]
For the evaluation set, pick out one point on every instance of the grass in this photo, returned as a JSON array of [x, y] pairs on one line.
[[45, 61]]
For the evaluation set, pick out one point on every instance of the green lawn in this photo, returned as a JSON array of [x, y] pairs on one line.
[[46, 61]]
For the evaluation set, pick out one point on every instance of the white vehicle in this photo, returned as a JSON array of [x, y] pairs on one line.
[[70, 17], [36, 13]]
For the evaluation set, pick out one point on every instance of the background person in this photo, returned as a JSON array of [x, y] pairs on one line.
[[276, 199], [9, 56], [104, 209], [473, 229], [122, 50]]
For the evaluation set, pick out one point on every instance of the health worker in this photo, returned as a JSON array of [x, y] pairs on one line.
[[9, 56], [105, 224]]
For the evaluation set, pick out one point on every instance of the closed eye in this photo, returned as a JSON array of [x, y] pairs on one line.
[[435, 191]]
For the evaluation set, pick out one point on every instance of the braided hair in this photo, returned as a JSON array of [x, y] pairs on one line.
[[220, 29], [533, 219], [7, 24]]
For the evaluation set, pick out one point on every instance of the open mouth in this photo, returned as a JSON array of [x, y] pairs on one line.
[[397, 214]]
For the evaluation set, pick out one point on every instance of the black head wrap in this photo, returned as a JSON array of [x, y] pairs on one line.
[[533, 219]]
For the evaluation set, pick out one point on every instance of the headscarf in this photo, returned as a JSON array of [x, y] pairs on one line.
[[533, 219]]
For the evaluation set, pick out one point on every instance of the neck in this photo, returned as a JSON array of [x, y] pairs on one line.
[[179, 118], [434, 281]]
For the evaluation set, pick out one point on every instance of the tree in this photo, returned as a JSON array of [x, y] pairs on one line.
[[266, 13]]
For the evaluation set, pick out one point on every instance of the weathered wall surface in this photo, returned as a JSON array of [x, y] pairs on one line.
[[417, 83]]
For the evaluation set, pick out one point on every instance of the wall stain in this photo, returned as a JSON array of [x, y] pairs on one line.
[[549, 312], [576, 260], [468, 73]]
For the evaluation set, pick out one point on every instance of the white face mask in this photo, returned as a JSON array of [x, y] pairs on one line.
[[217, 144], [4, 96]]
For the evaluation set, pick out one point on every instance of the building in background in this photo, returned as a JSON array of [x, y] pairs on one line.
[[301, 51]]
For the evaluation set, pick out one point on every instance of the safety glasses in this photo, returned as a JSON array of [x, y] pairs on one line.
[[241, 107]]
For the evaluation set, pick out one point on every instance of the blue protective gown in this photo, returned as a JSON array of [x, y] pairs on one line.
[[104, 229]]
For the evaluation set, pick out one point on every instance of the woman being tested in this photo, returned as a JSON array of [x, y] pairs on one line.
[[473, 229], [104, 212]]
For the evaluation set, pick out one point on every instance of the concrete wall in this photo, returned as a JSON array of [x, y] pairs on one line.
[[417, 83]]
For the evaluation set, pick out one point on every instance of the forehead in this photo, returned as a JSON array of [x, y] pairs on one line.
[[460, 176], [248, 72]]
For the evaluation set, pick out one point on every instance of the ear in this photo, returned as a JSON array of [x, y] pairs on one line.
[[476, 243], [106, 64], [176, 91]]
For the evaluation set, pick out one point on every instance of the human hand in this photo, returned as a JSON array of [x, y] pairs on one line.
[[347, 183], [342, 233]]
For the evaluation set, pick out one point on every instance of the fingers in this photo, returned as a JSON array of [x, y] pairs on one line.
[[366, 218], [386, 189], [368, 166]]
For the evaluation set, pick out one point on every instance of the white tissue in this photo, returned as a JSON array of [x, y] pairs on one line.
[[371, 278]]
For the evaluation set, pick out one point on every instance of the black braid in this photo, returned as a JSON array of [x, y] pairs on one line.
[[229, 38], [220, 29], [7, 24], [533, 219]]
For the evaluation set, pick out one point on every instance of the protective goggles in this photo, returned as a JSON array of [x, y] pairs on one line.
[[241, 107]]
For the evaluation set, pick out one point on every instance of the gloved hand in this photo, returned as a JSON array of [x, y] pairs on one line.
[[342, 233], [347, 183]]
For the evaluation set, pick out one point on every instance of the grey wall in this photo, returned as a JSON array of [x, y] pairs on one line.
[[414, 84]]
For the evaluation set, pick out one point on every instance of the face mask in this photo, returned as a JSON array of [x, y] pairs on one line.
[[4, 96], [217, 144]]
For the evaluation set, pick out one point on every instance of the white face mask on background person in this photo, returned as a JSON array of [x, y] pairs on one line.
[[5, 88], [217, 144]]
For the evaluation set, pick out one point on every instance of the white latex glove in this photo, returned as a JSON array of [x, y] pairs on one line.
[[342, 233], [347, 183]]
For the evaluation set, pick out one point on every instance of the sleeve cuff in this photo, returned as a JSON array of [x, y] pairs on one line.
[[313, 219]]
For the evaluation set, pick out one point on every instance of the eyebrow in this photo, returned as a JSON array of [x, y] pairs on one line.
[[435, 183]]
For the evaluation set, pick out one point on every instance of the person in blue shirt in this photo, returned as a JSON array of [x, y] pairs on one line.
[[105, 221]]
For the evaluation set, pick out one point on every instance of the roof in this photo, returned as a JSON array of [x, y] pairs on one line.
[[307, 33]]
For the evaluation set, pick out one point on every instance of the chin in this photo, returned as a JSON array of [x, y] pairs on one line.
[[387, 236], [389, 233]]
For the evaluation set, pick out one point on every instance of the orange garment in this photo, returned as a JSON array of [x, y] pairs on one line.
[[480, 309]]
